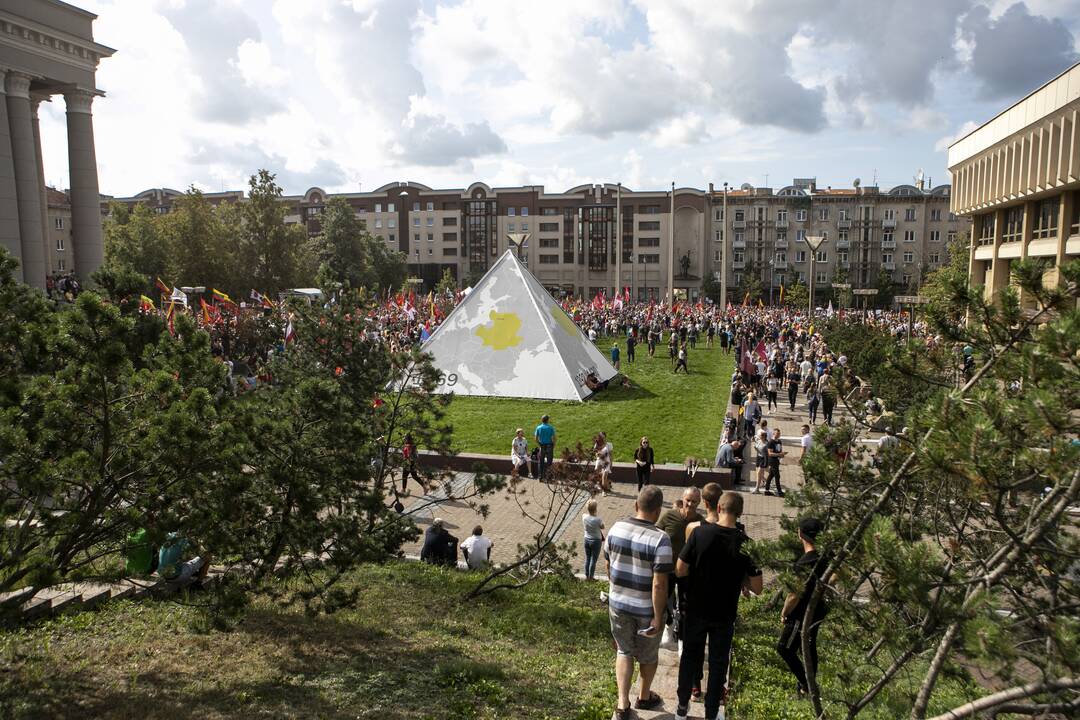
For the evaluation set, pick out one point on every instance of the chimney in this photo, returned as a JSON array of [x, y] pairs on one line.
[[711, 191]]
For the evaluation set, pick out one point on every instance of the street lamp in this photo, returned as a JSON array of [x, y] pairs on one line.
[[813, 242], [633, 286]]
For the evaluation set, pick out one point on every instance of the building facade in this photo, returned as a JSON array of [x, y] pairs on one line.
[[1018, 178], [47, 49], [599, 239]]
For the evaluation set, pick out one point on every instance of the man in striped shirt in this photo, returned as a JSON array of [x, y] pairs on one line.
[[639, 561]]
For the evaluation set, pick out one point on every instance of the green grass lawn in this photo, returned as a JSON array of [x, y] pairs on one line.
[[681, 414]]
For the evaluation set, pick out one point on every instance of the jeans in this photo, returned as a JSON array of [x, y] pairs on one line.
[[792, 393], [811, 409], [547, 453], [790, 647], [592, 554], [827, 404], [695, 632], [774, 474]]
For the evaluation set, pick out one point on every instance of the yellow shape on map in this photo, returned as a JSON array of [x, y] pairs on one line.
[[502, 333], [564, 321]]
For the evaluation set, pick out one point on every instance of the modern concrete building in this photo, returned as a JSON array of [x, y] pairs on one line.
[[47, 49], [1018, 178], [577, 246]]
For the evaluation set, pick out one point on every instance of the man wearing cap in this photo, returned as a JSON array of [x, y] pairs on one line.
[[440, 547], [809, 568]]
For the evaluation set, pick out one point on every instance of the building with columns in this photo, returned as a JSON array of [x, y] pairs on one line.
[[47, 51], [1018, 178]]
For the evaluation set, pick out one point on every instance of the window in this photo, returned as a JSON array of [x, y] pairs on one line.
[[950, 236], [800, 215], [549, 211], [935, 214], [416, 237], [905, 279], [800, 235], [823, 214], [740, 215], [719, 236], [648, 242], [378, 207], [416, 222], [648, 225], [510, 211], [739, 236], [909, 236], [909, 257], [549, 243], [416, 207], [738, 278], [449, 237], [378, 222], [823, 277], [781, 256], [841, 236], [61, 266], [549, 259], [935, 258], [449, 222], [430, 222], [738, 256], [524, 227], [822, 256], [800, 256], [844, 214], [430, 206], [890, 214], [392, 238], [650, 259], [524, 212], [391, 223], [511, 227], [59, 241], [887, 236], [549, 227], [984, 228], [886, 257], [1046, 218], [781, 236], [719, 214], [935, 236], [781, 215], [842, 257], [431, 237], [449, 251], [650, 209], [909, 214], [390, 207], [952, 217], [431, 251], [58, 223]]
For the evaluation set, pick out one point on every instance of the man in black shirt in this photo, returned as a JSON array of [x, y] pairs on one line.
[[440, 547], [808, 567], [717, 569]]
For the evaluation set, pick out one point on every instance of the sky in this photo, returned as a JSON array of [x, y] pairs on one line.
[[349, 95]]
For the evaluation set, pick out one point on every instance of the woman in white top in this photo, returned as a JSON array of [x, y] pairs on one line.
[[603, 451], [519, 453], [761, 459], [594, 538]]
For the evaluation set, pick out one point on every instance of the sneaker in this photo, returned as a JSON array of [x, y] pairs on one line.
[[719, 714], [780, 493], [769, 493], [681, 712], [695, 694], [755, 491]]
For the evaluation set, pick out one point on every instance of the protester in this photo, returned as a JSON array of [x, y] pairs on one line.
[[545, 438], [408, 464], [639, 561], [477, 549], [519, 453], [603, 463], [726, 457], [809, 567], [643, 463], [440, 547], [775, 450], [714, 568], [594, 538], [805, 442]]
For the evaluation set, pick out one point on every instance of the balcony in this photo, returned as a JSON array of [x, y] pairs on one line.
[[887, 223], [888, 244], [843, 264], [738, 264], [781, 223], [781, 243], [738, 224], [843, 244], [843, 224], [738, 244], [779, 264], [888, 266]]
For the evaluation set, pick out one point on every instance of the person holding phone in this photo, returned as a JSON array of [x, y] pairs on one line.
[[639, 560]]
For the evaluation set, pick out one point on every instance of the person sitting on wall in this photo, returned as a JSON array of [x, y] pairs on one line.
[[594, 383]]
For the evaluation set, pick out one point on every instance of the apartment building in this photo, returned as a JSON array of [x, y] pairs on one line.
[[1018, 178], [903, 232], [605, 238]]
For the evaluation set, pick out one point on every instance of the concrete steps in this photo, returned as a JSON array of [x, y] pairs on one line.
[[666, 685]]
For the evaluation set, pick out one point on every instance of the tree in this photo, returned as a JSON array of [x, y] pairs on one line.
[[201, 247], [447, 283], [797, 295], [958, 544], [133, 239], [710, 287], [886, 288], [275, 255], [842, 297], [348, 255], [751, 287]]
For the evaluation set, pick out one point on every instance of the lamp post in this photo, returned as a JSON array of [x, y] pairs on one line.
[[813, 242], [633, 287], [723, 254]]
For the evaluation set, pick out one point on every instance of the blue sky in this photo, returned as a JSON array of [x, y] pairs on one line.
[[352, 94]]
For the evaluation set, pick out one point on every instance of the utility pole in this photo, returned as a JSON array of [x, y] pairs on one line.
[[618, 239], [723, 254]]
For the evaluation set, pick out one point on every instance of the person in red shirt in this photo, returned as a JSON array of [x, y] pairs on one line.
[[408, 465]]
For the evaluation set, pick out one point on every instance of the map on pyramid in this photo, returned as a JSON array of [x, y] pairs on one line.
[[509, 338]]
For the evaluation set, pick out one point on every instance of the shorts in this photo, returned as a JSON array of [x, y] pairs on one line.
[[624, 628], [762, 461]]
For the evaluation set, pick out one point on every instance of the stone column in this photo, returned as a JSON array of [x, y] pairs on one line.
[[35, 101], [85, 199], [31, 234], [9, 208]]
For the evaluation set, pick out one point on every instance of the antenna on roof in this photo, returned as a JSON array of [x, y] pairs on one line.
[[856, 182]]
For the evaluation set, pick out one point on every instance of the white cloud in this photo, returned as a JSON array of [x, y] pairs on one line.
[[942, 145]]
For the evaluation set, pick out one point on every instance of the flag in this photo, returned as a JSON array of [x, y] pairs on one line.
[[829, 310], [760, 304], [746, 299], [781, 293], [424, 334], [161, 286], [146, 304], [290, 334], [218, 295], [626, 294], [759, 350], [178, 296], [205, 311]]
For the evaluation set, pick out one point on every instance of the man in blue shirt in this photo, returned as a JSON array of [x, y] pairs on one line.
[[615, 356], [545, 438]]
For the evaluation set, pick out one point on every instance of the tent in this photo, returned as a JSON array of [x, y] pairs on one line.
[[509, 338]]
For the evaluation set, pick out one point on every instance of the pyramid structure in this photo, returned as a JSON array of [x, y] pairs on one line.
[[509, 338]]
